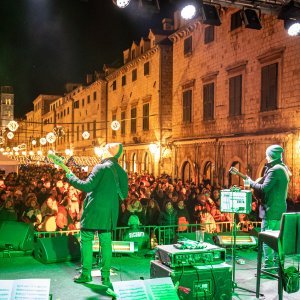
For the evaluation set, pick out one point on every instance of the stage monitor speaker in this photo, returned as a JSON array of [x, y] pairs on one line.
[[57, 249], [198, 283], [242, 239], [16, 236]]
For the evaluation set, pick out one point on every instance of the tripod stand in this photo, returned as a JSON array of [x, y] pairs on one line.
[[234, 284], [233, 209]]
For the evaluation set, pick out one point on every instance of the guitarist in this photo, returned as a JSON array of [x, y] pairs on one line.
[[274, 189], [105, 185]]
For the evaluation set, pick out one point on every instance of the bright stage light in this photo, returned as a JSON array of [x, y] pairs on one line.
[[121, 3], [188, 12], [290, 14], [294, 29]]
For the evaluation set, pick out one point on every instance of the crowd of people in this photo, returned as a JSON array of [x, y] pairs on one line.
[[41, 195]]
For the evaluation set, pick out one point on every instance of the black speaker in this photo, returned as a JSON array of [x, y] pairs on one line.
[[210, 15], [57, 249], [16, 235], [198, 283], [251, 19]]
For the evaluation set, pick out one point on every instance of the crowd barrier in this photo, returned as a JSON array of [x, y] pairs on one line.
[[162, 235]]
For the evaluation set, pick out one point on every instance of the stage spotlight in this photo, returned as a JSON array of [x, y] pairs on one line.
[[290, 13], [210, 15], [293, 28], [251, 19], [121, 3], [188, 11]]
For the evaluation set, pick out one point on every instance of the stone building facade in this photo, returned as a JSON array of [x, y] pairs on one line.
[[235, 92], [140, 97], [192, 101]]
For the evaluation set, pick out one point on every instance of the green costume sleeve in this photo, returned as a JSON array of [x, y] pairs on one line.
[[90, 183]]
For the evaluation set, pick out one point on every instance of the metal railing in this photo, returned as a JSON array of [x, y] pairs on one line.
[[162, 235]]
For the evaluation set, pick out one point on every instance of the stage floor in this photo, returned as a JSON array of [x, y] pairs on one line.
[[127, 267]]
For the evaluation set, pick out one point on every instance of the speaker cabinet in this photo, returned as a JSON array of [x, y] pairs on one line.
[[57, 249], [251, 19], [16, 235], [205, 282]]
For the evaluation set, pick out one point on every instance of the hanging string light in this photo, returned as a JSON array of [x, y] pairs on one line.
[[43, 141], [33, 142], [69, 152], [13, 125], [10, 135], [86, 135], [115, 125], [51, 137]]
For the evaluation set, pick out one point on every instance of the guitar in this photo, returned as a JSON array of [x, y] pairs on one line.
[[257, 194], [58, 161]]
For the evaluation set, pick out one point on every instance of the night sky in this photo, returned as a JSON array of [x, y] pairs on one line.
[[47, 43]]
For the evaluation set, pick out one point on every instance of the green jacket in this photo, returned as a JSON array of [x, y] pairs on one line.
[[274, 189], [101, 205]]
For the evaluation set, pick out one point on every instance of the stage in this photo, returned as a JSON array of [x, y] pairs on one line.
[[128, 267]]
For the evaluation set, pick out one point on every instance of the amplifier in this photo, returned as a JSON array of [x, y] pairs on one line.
[[173, 257], [198, 283]]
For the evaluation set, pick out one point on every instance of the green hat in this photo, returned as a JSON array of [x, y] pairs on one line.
[[274, 151]]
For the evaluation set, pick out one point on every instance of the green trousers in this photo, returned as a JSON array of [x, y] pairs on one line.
[[86, 244]]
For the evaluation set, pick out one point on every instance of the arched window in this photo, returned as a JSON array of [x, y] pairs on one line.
[[187, 172], [133, 166], [234, 179], [208, 171], [146, 165], [124, 162]]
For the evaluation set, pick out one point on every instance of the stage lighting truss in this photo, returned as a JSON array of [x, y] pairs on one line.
[[121, 3], [208, 13]]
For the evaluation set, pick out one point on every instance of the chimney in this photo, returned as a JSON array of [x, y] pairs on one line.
[[177, 20], [167, 24], [89, 78]]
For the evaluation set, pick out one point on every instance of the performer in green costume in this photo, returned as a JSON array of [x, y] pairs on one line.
[[105, 186], [275, 189]]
